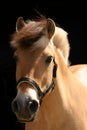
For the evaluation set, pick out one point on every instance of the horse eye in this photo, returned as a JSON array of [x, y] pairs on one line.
[[48, 60]]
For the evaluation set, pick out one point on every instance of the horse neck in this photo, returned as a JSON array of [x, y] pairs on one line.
[[72, 93], [67, 81]]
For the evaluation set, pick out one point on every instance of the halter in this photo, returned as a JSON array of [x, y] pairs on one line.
[[36, 86]]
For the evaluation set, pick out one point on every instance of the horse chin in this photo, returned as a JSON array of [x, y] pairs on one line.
[[31, 119]]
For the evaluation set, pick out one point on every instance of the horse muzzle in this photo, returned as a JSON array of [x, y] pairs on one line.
[[25, 106], [29, 98]]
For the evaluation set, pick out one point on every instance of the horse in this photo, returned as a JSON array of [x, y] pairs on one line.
[[51, 94]]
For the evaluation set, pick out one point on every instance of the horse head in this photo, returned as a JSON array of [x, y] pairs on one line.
[[36, 66]]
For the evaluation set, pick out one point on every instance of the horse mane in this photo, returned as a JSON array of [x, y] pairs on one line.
[[30, 33]]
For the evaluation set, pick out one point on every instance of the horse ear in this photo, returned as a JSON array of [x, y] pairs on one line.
[[20, 24], [50, 27]]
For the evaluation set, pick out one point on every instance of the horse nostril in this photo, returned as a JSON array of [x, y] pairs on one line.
[[15, 106], [33, 105]]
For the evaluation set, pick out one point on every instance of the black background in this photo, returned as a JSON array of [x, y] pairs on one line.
[[70, 15]]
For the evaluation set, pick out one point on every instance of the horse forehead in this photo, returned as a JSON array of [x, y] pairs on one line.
[[42, 42], [43, 45]]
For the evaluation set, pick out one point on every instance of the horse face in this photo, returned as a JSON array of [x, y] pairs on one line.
[[38, 66], [35, 66]]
